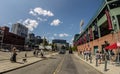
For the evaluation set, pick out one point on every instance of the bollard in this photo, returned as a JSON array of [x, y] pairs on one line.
[[96, 62], [105, 68], [90, 59]]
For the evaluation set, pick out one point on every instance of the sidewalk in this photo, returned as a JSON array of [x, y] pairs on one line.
[[8, 66], [111, 68], [6, 55]]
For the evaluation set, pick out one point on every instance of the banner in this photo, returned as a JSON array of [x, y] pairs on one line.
[[96, 30], [90, 33], [87, 36], [109, 20]]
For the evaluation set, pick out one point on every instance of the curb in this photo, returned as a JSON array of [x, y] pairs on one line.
[[26, 64], [17, 58], [88, 63], [20, 66]]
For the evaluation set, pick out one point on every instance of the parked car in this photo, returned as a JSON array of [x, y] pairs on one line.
[[70, 51]]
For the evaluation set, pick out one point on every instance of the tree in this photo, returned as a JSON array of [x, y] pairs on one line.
[[45, 42], [74, 48]]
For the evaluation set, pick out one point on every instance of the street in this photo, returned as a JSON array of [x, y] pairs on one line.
[[58, 64]]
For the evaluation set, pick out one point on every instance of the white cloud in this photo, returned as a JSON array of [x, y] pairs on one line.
[[55, 34], [63, 35], [40, 11], [72, 39], [55, 22], [30, 24], [9, 23], [40, 19], [51, 38], [32, 13], [20, 21]]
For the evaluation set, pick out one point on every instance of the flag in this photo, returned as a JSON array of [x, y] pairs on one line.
[[96, 30], [87, 36], [82, 40], [96, 27], [108, 20], [79, 41], [85, 40], [90, 33]]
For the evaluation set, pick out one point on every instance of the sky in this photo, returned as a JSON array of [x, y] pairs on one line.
[[54, 19]]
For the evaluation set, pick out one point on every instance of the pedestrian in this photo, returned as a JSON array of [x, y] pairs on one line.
[[42, 53], [87, 55], [34, 52], [100, 57], [26, 54], [37, 52], [90, 56], [84, 54], [97, 57], [14, 54], [25, 58]]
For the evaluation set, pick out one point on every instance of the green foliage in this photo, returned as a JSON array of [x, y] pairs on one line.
[[74, 48], [45, 42]]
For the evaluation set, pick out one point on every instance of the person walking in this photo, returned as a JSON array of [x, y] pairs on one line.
[[34, 52], [90, 56], [42, 53], [100, 57], [25, 58], [84, 54], [97, 57], [14, 54]]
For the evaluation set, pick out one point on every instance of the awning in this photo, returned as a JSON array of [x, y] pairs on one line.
[[113, 46]]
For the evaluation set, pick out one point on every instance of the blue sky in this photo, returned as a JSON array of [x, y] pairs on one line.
[[54, 19]]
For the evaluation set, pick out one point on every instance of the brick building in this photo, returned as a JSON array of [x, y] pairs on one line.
[[104, 26], [9, 39]]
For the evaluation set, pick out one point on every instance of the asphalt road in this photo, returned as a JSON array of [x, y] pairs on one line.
[[59, 64]]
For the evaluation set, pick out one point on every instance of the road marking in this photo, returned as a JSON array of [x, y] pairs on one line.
[[59, 66]]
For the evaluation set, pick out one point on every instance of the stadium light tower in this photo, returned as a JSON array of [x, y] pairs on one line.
[[81, 24]]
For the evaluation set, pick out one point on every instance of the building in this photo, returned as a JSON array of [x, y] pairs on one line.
[[33, 41], [38, 40], [75, 37], [59, 43], [19, 29], [9, 40], [103, 28]]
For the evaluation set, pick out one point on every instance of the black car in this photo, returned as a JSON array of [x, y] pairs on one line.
[[70, 51]]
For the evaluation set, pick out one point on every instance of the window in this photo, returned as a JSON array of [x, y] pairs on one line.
[[102, 13], [118, 17], [114, 4], [109, 0]]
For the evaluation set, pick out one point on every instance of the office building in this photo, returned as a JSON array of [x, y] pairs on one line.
[[20, 29]]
